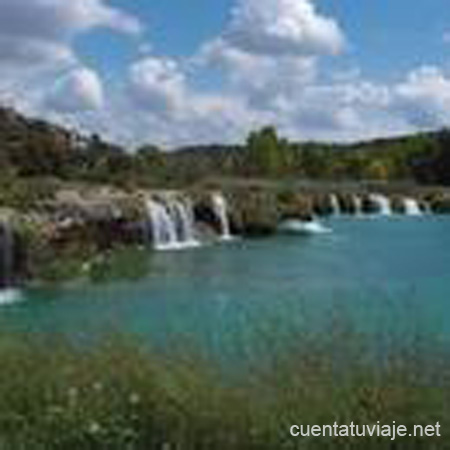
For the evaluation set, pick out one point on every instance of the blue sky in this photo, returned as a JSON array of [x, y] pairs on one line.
[[386, 37], [176, 74]]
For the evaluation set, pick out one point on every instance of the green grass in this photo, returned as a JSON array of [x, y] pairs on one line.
[[118, 394]]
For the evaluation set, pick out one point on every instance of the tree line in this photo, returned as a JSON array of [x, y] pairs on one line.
[[33, 148]]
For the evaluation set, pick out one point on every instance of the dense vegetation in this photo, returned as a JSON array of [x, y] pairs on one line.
[[119, 395], [33, 148]]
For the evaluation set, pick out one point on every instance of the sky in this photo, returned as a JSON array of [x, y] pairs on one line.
[[173, 73]]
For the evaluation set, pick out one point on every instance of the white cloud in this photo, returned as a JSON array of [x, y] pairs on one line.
[[40, 31], [253, 71], [37, 46], [269, 55], [158, 84], [32, 52], [56, 19], [266, 66], [424, 97], [79, 90], [160, 91], [277, 27]]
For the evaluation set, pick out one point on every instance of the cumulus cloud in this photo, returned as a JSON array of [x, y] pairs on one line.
[[269, 56], [39, 31], [158, 84], [165, 107], [20, 52], [55, 19], [159, 89], [251, 71], [79, 90], [267, 66], [424, 97], [274, 27], [36, 47]]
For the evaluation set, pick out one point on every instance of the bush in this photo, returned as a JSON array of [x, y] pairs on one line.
[[24, 194]]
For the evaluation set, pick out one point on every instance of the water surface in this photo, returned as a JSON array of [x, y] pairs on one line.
[[385, 276]]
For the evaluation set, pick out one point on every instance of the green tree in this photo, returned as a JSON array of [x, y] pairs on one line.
[[265, 151]]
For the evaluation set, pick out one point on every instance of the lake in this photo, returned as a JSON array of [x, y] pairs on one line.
[[388, 278]]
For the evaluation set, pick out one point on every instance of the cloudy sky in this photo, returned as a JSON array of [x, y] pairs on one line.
[[176, 72]]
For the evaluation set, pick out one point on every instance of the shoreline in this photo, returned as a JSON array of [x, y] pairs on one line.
[[79, 224]]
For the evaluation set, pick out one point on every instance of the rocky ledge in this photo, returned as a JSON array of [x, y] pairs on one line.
[[60, 236]]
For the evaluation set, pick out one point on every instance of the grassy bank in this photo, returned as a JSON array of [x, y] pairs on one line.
[[118, 395]]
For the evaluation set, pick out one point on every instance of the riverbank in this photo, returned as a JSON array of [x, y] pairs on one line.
[[70, 231]]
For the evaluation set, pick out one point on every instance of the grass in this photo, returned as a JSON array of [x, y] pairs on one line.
[[119, 395]]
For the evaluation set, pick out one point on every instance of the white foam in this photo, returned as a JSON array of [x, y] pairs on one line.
[[335, 205], [10, 296], [301, 227], [177, 246], [382, 203], [412, 207], [221, 210]]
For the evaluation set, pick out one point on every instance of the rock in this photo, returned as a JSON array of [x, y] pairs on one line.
[[254, 212], [440, 203]]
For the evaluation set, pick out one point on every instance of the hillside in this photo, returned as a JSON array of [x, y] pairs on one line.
[[31, 148]]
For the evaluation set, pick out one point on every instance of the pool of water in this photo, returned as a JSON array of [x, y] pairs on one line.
[[387, 277]]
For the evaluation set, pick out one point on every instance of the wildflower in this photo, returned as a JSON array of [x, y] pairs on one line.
[[94, 428], [97, 386], [134, 398], [72, 392]]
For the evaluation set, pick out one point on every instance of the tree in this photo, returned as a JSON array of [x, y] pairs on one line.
[[265, 151]]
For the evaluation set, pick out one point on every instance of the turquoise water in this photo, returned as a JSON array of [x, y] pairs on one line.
[[388, 278]]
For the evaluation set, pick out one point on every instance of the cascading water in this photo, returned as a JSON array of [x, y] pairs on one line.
[[8, 293], [183, 214], [357, 205], [221, 210], [163, 227], [412, 207], [382, 203], [173, 225], [335, 205]]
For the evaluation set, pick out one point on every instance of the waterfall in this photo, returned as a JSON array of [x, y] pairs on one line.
[[8, 294], [412, 207], [335, 205], [221, 210], [383, 204], [357, 205], [6, 255], [163, 227], [182, 213], [172, 221]]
